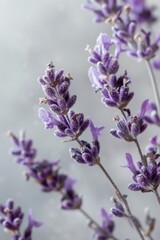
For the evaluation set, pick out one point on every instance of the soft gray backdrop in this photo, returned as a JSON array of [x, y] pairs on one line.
[[32, 33]]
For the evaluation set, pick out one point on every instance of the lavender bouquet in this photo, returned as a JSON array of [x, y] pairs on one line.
[[123, 185]]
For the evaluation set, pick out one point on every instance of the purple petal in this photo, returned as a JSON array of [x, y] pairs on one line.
[[144, 108], [47, 118], [69, 182], [105, 215], [104, 40], [96, 131], [130, 165], [32, 222], [94, 77], [134, 187]]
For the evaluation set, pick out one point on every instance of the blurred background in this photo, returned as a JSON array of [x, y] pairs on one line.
[[32, 33]]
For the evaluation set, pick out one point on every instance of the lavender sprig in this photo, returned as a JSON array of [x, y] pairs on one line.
[[103, 76], [147, 179], [11, 219], [87, 153]]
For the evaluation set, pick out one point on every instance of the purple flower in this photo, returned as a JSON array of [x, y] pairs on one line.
[[141, 12], [146, 49], [151, 115], [47, 118], [88, 153], [118, 209], [71, 125], [138, 45], [146, 178], [70, 199], [108, 226], [47, 175], [95, 131], [102, 9], [22, 149], [105, 63], [129, 128], [116, 92], [156, 64], [31, 224], [56, 89], [95, 78], [11, 219]]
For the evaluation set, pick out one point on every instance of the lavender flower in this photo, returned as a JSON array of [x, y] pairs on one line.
[[116, 92], [88, 154], [71, 125], [56, 89], [129, 128], [102, 9], [141, 12], [47, 175], [118, 210], [107, 225], [22, 149], [70, 199], [11, 219], [146, 178], [105, 62], [136, 44], [151, 115]]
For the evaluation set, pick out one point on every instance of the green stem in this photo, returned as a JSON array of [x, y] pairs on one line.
[[154, 84], [140, 153], [157, 195]]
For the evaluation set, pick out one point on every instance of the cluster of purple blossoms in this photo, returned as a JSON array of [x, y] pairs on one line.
[[102, 9], [141, 12], [105, 63], [105, 10], [88, 154], [11, 219], [125, 20], [23, 149], [70, 124], [146, 178], [46, 174], [56, 89], [115, 90], [129, 128], [136, 44]]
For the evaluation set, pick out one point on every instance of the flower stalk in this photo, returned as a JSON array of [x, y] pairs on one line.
[[154, 84]]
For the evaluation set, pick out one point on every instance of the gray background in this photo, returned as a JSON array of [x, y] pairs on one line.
[[32, 33]]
